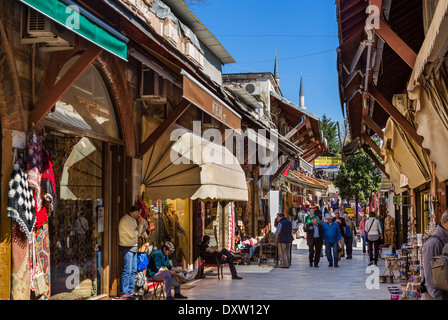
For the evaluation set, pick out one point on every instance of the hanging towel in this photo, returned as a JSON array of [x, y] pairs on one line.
[[21, 202]]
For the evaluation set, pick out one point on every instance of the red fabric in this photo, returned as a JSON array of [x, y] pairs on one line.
[[145, 211], [49, 174], [41, 215]]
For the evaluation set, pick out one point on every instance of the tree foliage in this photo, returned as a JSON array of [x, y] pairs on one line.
[[359, 177], [330, 131]]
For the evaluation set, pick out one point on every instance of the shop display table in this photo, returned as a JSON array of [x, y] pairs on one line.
[[391, 261]]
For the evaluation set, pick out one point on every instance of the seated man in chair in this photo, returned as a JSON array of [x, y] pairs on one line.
[[160, 269], [224, 256]]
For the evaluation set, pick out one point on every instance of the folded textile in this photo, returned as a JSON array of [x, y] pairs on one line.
[[21, 202]]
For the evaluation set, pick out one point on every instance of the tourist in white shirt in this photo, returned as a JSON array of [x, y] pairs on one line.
[[374, 236], [131, 226]]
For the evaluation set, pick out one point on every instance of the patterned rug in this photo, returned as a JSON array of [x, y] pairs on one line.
[[43, 254], [20, 269]]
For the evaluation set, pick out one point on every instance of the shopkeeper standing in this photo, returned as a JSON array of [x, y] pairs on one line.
[[130, 228]]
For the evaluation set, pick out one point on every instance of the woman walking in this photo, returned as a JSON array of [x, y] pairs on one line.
[[374, 234]]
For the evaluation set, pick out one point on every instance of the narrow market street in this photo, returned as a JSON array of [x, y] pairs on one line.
[[299, 282]]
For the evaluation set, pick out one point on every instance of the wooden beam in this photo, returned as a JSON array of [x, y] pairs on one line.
[[372, 125], [297, 128], [303, 134], [377, 162], [311, 144], [169, 121], [45, 104], [371, 143], [396, 43], [396, 115], [313, 152], [281, 169]]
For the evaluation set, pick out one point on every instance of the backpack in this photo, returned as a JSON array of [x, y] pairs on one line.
[[439, 268]]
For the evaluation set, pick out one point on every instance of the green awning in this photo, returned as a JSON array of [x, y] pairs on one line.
[[77, 19]]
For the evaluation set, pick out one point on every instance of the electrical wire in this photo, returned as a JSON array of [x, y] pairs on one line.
[[289, 58]]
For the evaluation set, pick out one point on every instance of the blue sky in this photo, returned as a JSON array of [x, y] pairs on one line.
[[304, 33]]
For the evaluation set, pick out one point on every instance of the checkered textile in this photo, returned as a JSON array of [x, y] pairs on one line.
[[21, 202]]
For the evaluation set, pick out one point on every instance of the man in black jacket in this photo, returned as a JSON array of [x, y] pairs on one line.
[[314, 240], [284, 239], [224, 256], [342, 225]]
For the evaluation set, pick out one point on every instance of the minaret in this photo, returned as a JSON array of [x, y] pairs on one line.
[[276, 73], [301, 93]]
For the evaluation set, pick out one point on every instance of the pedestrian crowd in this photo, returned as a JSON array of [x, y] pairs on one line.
[[323, 225]]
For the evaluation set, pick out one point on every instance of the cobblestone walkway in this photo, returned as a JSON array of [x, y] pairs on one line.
[[300, 281]]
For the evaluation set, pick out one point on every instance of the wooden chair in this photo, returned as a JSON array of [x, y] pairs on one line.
[[217, 265], [158, 285]]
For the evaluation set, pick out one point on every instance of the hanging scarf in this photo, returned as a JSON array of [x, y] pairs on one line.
[[21, 202]]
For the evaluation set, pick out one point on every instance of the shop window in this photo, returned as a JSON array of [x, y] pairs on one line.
[[87, 104], [77, 225]]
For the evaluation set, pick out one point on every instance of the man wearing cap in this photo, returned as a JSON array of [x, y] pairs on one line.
[[160, 269], [332, 235]]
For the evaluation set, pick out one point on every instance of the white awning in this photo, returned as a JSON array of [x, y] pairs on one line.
[[434, 46], [191, 167]]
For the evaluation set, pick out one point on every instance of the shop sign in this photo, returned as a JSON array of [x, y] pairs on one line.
[[350, 212], [214, 212], [208, 102], [327, 163]]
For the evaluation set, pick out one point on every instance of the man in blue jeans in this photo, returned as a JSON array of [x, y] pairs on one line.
[[131, 226], [332, 235]]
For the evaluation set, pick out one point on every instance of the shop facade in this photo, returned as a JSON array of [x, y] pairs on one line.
[[98, 108]]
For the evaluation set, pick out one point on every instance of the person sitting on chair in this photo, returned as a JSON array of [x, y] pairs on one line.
[[160, 269], [224, 256]]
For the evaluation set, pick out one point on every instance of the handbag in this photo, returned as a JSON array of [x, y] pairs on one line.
[[38, 276]]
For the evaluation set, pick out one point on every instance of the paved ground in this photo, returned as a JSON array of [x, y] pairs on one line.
[[300, 281]]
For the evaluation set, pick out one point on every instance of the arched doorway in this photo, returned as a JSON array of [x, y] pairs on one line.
[[84, 137]]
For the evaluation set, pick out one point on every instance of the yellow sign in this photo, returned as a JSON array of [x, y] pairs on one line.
[[327, 162], [350, 212]]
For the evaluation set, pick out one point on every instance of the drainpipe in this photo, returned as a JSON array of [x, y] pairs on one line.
[[369, 32]]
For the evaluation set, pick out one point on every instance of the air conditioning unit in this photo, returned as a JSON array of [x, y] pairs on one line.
[[253, 88], [36, 28]]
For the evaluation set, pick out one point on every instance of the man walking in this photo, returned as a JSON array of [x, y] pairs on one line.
[[433, 247], [332, 236], [350, 233], [284, 239], [314, 241], [374, 236], [342, 227], [129, 229]]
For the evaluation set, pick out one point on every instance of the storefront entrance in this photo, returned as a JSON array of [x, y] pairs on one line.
[[84, 141]]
